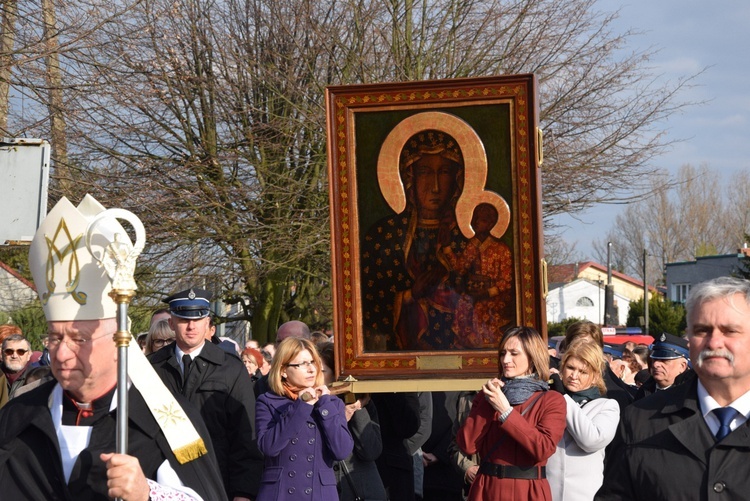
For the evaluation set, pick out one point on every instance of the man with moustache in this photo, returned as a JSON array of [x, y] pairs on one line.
[[691, 441]]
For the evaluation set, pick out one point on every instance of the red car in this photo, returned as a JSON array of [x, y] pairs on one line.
[[616, 335]]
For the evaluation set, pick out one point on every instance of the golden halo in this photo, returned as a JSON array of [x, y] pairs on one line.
[[465, 210], [472, 149], [475, 168]]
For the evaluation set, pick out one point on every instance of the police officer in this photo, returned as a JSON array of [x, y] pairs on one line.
[[218, 384], [669, 364]]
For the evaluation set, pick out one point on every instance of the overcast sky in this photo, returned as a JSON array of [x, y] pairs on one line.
[[690, 35]]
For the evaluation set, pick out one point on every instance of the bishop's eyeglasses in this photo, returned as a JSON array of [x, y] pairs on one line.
[[75, 344]]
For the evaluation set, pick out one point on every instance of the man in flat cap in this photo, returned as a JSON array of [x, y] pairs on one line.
[[57, 441], [218, 384], [668, 365], [691, 441]]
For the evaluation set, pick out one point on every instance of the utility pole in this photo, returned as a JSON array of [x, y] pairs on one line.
[[645, 296], [609, 292]]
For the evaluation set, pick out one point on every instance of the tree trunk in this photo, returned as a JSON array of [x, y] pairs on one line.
[[268, 310], [7, 41], [53, 79]]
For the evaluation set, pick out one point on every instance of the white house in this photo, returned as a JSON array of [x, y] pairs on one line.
[[577, 290], [15, 291], [583, 299]]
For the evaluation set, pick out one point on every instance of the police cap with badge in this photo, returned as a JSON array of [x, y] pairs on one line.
[[614, 350], [191, 304], [670, 347]]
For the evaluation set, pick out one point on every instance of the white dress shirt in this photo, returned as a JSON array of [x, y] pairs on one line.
[[708, 404]]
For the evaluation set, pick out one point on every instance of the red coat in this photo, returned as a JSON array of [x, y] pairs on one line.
[[529, 441]]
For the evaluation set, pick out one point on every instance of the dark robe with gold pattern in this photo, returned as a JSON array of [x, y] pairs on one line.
[[396, 251]]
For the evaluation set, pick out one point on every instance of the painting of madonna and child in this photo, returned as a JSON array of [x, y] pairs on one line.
[[437, 267]]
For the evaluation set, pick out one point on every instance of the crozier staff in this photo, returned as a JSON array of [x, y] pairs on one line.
[[75, 415]]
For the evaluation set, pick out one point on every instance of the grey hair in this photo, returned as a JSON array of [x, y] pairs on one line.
[[16, 337], [716, 288]]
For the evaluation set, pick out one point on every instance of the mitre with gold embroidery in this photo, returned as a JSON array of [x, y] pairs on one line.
[[73, 284], [70, 282]]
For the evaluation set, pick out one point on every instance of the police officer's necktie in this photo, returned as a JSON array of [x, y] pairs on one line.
[[186, 361], [725, 415]]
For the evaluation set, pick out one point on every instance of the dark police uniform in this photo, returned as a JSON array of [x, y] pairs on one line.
[[667, 347], [219, 386]]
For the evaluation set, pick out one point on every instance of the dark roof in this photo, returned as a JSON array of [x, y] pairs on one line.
[[565, 273]]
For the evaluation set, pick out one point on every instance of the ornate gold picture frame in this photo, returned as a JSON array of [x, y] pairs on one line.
[[436, 224]]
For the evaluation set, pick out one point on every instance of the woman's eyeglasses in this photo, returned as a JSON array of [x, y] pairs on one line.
[[162, 342], [303, 365], [20, 352]]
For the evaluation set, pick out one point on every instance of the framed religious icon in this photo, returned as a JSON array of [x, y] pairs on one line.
[[436, 224]]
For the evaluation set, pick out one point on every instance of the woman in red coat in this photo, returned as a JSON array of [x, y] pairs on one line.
[[515, 423]]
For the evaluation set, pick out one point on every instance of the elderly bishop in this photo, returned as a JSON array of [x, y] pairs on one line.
[[58, 440]]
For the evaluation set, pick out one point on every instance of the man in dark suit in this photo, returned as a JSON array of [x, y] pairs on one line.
[[691, 441], [218, 384]]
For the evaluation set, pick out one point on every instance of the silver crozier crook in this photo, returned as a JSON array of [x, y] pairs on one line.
[[118, 257]]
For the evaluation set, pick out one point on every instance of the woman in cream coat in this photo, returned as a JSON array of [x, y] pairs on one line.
[[575, 471]]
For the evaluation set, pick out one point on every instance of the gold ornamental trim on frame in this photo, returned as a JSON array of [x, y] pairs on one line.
[[430, 106]]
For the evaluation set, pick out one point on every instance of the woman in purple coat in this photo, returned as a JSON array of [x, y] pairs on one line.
[[301, 428]]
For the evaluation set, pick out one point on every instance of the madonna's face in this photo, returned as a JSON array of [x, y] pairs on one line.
[[434, 185]]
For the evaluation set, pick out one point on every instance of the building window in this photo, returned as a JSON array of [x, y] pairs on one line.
[[584, 301], [680, 292]]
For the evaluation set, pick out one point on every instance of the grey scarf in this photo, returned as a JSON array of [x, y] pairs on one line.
[[518, 390]]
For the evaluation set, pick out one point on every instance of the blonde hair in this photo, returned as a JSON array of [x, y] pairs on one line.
[[160, 330], [534, 347], [591, 354], [287, 351]]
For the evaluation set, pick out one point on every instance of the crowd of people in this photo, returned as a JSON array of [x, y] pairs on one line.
[[211, 420]]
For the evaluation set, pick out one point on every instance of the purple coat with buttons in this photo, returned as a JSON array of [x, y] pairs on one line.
[[300, 443]]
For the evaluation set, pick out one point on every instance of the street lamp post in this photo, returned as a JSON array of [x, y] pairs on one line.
[[645, 296]]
